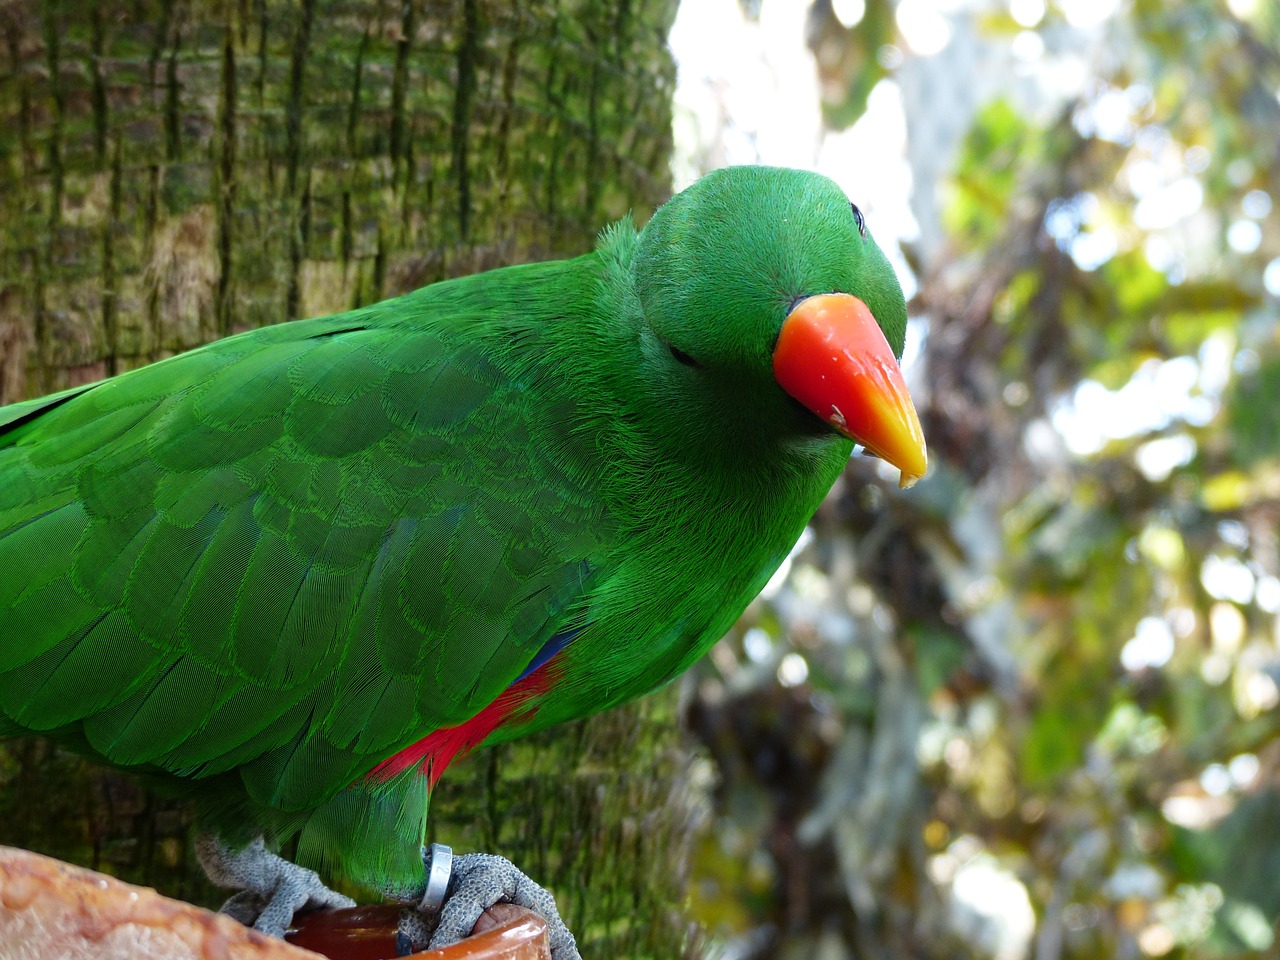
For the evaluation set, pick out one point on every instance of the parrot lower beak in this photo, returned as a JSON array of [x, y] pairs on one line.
[[833, 358]]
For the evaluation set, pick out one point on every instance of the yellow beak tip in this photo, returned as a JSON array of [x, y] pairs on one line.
[[832, 356]]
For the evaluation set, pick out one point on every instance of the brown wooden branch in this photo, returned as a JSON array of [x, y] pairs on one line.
[[53, 909]]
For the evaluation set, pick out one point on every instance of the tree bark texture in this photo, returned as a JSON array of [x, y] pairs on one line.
[[172, 171], [176, 170]]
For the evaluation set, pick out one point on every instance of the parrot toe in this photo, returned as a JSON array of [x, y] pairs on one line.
[[480, 880], [271, 888]]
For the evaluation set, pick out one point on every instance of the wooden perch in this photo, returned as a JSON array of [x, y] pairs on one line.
[[54, 911]]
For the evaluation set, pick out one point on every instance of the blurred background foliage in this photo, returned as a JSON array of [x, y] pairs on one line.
[[1029, 707]]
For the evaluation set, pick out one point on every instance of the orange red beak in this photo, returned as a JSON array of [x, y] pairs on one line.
[[833, 358]]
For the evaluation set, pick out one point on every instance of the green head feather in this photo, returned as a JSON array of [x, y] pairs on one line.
[[714, 274], [740, 246]]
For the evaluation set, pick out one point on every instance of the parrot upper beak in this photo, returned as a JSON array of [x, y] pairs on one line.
[[833, 358]]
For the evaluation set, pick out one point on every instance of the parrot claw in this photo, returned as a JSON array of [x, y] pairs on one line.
[[271, 888], [478, 882]]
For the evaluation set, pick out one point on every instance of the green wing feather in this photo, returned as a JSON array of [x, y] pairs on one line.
[[292, 552]]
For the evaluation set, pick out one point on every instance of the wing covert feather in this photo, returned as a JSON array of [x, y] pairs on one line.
[[291, 552]]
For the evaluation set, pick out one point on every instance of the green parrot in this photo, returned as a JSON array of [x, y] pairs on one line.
[[297, 571]]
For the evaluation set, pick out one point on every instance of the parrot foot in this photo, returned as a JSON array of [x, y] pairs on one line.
[[271, 888], [478, 882]]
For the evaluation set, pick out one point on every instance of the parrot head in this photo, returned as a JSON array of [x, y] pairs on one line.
[[766, 303]]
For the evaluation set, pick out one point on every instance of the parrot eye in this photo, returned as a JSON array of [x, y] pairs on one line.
[[683, 357], [859, 220]]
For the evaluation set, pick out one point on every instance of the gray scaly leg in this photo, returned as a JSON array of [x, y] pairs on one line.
[[271, 888], [478, 881]]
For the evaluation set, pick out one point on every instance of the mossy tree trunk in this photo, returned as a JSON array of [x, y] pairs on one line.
[[172, 171]]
